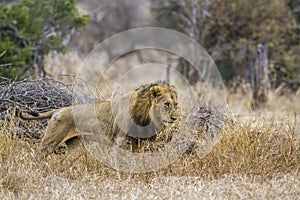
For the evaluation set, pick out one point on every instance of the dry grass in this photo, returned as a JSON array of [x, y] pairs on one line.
[[258, 158]]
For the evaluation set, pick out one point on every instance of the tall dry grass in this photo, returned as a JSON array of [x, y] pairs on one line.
[[258, 158]]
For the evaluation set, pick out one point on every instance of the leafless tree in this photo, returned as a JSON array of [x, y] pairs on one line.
[[191, 16], [260, 79], [107, 18]]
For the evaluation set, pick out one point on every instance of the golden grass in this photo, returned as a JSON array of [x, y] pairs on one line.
[[249, 161], [258, 158]]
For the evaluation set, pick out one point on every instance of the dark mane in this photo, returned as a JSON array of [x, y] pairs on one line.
[[142, 100]]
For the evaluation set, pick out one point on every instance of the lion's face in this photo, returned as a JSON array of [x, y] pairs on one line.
[[165, 110], [155, 104]]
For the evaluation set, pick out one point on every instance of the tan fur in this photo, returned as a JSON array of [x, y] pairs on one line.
[[151, 105]]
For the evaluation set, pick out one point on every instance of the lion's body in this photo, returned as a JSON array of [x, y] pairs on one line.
[[151, 108]]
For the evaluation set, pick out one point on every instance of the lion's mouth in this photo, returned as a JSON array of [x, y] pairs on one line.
[[168, 122]]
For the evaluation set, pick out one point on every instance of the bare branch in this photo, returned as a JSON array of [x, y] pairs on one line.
[[1, 54], [39, 95]]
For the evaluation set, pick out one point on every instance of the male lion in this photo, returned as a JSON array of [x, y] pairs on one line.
[[152, 107]]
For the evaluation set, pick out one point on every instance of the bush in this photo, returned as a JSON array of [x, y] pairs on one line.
[[30, 29]]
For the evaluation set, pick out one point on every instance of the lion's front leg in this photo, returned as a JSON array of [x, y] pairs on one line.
[[60, 128]]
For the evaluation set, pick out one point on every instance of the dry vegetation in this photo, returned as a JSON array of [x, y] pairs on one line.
[[258, 158]]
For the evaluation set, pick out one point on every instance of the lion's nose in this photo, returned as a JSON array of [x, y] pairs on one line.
[[174, 118]]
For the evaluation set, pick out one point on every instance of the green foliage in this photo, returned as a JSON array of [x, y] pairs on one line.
[[29, 29]]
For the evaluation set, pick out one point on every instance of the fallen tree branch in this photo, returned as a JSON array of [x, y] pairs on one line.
[[38, 95]]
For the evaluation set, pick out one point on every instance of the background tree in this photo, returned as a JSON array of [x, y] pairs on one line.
[[108, 17], [187, 16], [30, 29], [231, 30]]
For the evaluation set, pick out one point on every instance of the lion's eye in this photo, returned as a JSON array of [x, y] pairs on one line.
[[167, 104]]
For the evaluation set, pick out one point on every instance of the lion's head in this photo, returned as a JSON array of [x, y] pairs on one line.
[[155, 103]]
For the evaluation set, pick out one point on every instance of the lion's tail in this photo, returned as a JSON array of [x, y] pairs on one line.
[[32, 115]]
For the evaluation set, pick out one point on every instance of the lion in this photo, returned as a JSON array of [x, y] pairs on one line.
[[152, 107]]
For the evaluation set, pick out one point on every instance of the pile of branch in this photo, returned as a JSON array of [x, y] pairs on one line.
[[38, 95]]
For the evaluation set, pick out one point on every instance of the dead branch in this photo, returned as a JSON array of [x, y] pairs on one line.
[[39, 95]]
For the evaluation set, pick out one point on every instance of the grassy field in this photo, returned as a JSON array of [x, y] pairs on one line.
[[258, 158]]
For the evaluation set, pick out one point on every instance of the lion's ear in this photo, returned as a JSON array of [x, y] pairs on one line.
[[156, 91]]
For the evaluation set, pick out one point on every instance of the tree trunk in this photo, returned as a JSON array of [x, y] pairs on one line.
[[260, 80]]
